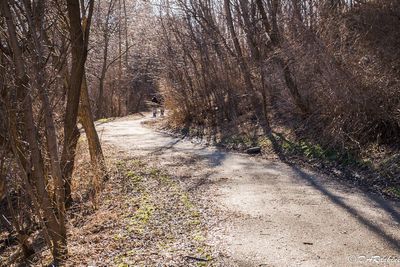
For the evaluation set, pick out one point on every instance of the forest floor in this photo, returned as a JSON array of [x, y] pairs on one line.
[[242, 210]]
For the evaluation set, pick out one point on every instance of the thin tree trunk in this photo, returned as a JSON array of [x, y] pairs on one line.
[[100, 100], [242, 64], [126, 35], [273, 33], [104, 67], [256, 55], [86, 118]]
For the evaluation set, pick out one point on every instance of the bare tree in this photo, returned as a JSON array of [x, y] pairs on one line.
[[79, 36]]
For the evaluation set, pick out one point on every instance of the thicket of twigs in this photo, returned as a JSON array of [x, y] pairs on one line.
[[330, 69]]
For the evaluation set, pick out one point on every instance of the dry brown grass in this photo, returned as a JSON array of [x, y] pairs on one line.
[[141, 217]]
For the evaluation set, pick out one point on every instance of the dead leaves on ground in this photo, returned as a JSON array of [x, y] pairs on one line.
[[144, 218]]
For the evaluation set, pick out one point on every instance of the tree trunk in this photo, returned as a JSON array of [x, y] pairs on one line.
[[256, 56], [100, 100], [104, 67], [79, 38], [86, 118]]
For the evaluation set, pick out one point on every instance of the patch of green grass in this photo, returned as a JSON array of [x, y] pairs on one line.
[[154, 172], [120, 164], [195, 222], [142, 214], [264, 142], [395, 191], [104, 120], [198, 237], [201, 251], [316, 151], [130, 174], [185, 200], [134, 177], [120, 261], [236, 141], [118, 237], [390, 167], [131, 252], [165, 179], [138, 163]]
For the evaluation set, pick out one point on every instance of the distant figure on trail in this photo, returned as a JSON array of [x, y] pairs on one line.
[[155, 102], [162, 106]]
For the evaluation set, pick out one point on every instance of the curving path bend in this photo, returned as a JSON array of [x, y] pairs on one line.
[[280, 215]]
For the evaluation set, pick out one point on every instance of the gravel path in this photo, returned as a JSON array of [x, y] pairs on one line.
[[276, 214]]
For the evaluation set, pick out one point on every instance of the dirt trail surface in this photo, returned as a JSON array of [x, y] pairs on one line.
[[274, 214]]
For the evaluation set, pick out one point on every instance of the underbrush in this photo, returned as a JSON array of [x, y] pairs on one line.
[[140, 217]]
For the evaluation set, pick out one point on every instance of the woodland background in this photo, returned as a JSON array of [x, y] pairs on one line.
[[321, 78]]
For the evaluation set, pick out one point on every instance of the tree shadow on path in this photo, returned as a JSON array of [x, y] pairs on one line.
[[393, 241]]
